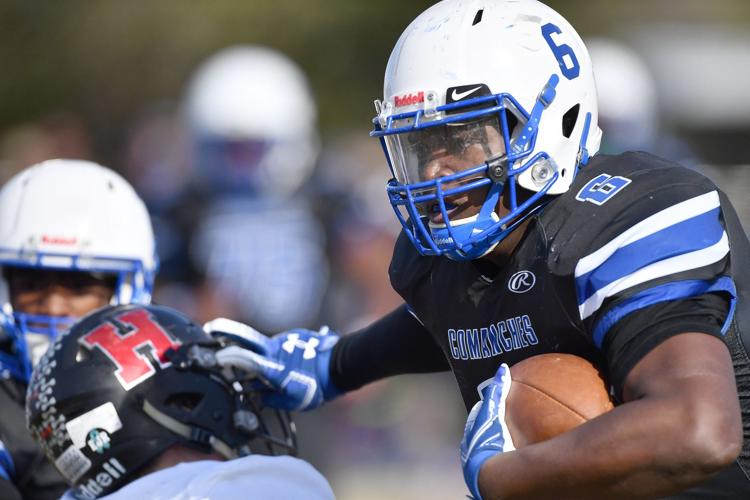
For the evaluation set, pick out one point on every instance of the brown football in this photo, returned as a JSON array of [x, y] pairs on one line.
[[551, 394]]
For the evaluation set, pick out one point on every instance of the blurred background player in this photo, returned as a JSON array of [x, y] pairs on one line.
[[245, 226], [74, 236], [138, 402], [629, 111]]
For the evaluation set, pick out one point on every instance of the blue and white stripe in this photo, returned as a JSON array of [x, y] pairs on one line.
[[663, 293], [685, 236]]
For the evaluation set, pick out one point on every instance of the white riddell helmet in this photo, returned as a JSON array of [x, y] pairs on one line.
[[74, 215], [516, 66], [254, 121]]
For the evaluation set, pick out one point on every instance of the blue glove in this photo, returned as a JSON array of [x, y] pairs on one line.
[[293, 365], [486, 434]]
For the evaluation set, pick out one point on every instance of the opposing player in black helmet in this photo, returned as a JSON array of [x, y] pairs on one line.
[[138, 402]]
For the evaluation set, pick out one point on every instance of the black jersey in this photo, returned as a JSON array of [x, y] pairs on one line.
[[636, 251]]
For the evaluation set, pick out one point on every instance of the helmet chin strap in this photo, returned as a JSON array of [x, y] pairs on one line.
[[453, 237], [190, 433]]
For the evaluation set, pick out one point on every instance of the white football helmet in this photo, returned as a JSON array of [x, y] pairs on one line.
[[253, 119], [73, 215], [463, 69]]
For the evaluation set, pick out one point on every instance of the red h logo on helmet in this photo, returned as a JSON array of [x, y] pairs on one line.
[[132, 351]]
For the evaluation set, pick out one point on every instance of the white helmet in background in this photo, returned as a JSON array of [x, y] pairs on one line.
[[628, 108], [253, 119], [74, 215], [514, 65]]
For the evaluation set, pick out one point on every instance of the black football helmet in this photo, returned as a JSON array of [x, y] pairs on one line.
[[127, 382]]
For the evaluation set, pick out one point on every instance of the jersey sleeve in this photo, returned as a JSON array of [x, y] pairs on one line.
[[633, 337], [664, 243]]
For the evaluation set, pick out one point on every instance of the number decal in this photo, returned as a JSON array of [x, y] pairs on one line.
[[600, 189], [568, 66]]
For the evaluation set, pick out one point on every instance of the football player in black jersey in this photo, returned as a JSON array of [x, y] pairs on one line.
[[517, 240]]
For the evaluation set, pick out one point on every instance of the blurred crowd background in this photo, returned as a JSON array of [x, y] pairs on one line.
[[270, 208]]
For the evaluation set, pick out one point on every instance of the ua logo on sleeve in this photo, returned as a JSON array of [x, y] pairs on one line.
[[128, 345]]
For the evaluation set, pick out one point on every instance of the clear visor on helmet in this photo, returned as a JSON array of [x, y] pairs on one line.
[[450, 150], [428, 153], [452, 163]]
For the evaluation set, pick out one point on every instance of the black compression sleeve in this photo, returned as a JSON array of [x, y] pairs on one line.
[[393, 345]]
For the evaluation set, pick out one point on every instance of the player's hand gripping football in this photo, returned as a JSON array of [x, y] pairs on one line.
[[294, 365], [486, 433]]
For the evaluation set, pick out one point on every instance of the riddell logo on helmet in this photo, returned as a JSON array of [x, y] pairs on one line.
[[112, 471], [58, 240], [408, 99]]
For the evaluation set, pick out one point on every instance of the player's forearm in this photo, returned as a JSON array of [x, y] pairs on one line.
[[395, 344], [644, 449]]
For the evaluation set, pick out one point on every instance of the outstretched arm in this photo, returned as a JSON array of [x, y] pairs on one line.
[[395, 344], [679, 424], [302, 369]]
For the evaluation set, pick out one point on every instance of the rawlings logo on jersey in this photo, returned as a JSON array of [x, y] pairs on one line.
[[132, 341], [521, 282]]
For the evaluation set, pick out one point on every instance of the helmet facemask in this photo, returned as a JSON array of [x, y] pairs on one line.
[[452, 163], [128, 280]]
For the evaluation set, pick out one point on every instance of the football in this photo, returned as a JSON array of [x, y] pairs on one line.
[[552, 393]]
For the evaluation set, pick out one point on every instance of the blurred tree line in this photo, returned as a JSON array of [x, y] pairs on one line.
[[102, 60]]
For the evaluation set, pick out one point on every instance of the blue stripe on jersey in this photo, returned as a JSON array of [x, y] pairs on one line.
[[663, 293], [7, 468], [684, 237]]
